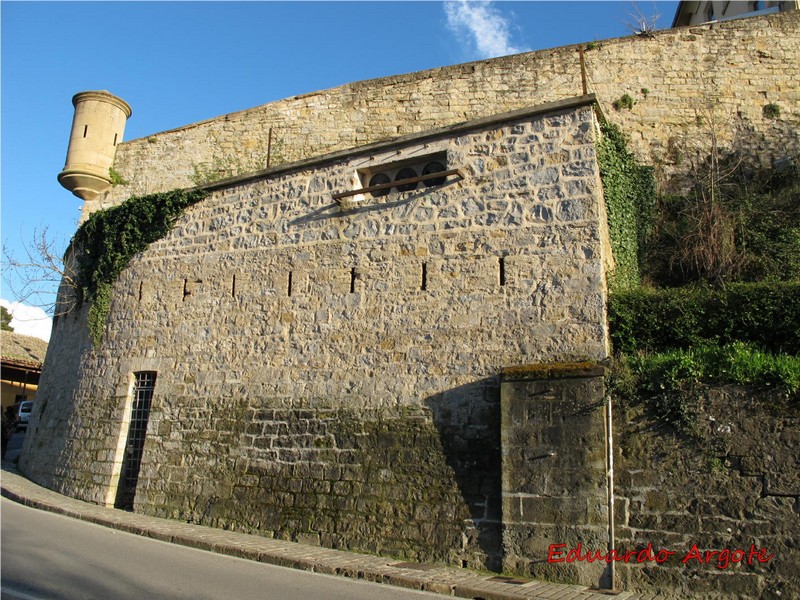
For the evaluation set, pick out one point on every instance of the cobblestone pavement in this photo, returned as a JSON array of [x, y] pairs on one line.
[[448, 581]]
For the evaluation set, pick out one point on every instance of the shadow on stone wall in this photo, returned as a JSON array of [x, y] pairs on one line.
[[371, 479], [370, 205], [468, 421]]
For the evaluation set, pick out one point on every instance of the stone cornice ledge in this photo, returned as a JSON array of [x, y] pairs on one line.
[[554, 370]]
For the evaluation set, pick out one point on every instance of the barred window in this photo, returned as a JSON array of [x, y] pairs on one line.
[[143, 387]]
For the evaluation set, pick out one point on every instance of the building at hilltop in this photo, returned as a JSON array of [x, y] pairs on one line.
[[696, 13], [383, 328]]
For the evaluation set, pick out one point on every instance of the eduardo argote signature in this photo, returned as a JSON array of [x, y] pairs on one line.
[[721, 559]]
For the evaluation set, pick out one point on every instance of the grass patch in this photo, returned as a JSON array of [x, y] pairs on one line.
[[736, 363], [672, 384]]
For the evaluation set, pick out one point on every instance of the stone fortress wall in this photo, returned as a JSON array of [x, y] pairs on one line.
[[724, 73], [330, 374]]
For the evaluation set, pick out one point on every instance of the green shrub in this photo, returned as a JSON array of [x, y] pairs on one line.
[[626, 101], [766, 314], [771, 111], [653, 320], [115, 178], [768, 234], [746, 227]]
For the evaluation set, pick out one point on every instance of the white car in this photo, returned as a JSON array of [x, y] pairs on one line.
[[24, 414]]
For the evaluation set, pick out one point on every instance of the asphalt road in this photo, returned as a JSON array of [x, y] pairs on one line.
[[49, 556]]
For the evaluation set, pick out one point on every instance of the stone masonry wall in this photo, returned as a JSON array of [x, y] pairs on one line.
[[378, 480], [687, 83], [735, 488], [334, 370], [555, 486], [710, 515]]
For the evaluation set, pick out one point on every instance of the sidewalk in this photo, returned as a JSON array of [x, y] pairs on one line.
[[432, 578]]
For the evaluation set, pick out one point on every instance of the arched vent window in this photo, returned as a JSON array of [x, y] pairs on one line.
[[406, 176], [409, 175], [379, 179]]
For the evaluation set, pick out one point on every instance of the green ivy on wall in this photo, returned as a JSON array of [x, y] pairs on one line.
[[107, 241], [630, 195]]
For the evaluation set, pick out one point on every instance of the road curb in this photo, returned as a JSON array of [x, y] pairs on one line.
[[448, 581]]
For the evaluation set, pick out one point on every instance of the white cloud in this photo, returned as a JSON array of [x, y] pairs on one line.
[[488, 29], [29, 320]]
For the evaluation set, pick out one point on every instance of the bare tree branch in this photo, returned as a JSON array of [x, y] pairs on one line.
[[640, 24], [706, 245], [41, 271]]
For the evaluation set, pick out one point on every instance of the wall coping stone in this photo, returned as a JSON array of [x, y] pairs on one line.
[[545, 371]]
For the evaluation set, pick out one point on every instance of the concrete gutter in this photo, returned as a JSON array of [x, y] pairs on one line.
[[448, 581]]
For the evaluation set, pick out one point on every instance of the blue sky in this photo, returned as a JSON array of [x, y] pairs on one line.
[[180, 62]]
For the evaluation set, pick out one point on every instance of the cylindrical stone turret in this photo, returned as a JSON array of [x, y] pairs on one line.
[[97, 128]]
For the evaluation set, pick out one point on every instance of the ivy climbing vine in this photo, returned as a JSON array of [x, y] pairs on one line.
[[630, 195], [107, 241]]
